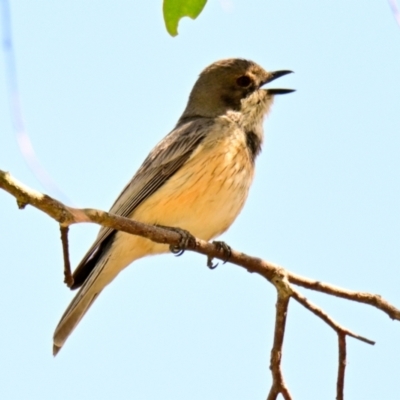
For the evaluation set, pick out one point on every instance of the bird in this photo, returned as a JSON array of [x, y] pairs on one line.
[[197, 178]]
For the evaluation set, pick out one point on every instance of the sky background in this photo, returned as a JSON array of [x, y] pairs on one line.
[[101, 83]]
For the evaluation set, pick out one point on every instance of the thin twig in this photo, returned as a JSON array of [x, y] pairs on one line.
[[374, 300], [68, 279], [327, 319], [278, 383], [342, 366]]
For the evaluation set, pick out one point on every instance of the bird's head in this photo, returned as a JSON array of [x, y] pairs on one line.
[[233, 85]]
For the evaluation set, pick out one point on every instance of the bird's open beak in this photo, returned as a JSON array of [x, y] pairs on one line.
[[275, 75]]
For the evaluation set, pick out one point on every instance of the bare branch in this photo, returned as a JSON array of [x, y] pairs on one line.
[[68, 216], [277, 275]]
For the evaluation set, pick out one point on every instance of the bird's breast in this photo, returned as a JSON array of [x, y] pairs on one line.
[[207, 193]]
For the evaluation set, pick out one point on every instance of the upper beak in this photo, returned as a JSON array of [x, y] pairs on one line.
[[275, 75]]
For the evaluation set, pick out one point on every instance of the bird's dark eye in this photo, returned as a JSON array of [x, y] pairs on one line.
[[243, 81]]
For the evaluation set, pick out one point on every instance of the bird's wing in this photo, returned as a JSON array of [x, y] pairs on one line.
[[160, 165]]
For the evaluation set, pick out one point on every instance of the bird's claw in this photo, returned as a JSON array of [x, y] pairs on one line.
[[184, 242], [210, 263], [186, 239], [176, 250], [226, 250]]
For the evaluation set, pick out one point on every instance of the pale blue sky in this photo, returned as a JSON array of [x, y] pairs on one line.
[[100, 84]]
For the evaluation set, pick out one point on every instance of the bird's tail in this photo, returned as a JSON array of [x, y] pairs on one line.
[[80, 304]]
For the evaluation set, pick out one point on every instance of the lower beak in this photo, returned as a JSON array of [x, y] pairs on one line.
[[272, 92]]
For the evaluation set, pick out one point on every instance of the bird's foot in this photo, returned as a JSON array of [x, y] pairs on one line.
[[186, 239], [225, 249]]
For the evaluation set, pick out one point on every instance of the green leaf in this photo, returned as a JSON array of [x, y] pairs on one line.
[[174, 10]]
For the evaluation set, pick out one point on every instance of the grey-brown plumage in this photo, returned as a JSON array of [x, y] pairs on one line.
[[197, 178]]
